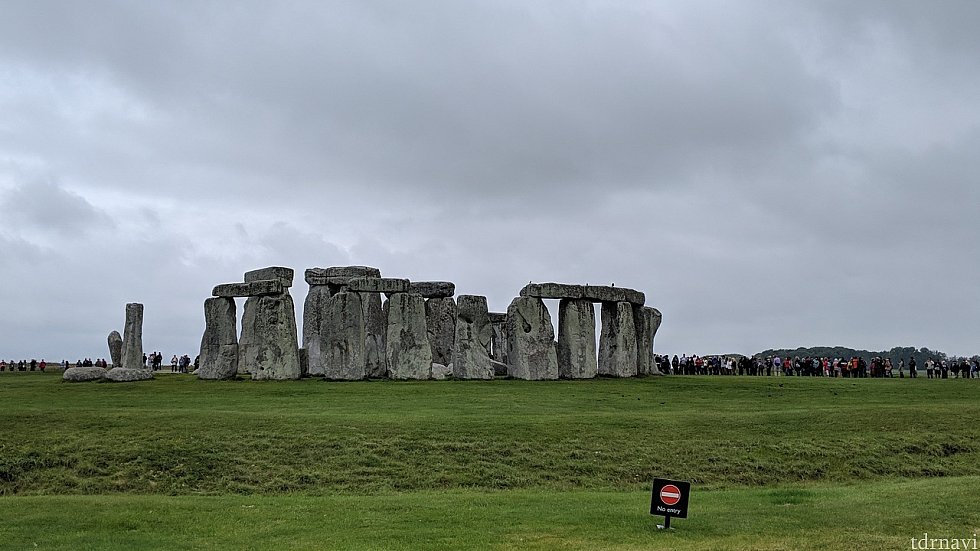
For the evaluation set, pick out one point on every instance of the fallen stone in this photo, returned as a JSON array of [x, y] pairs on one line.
[[531, 340], [407, 347], [219, 345], [278, 273], [343, 328], [115, 348], [432, 289], [471, 349], [576, 339], [125, 375], [552, 290], [440, 322], [617, 340], [374, 336], [83, 374], [268, 348], [441, 372], [378, 285], [314, 311], [252, 289]]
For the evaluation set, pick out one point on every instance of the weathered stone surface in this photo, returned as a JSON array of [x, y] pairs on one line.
[[304, 362], [433, 289], [607, 293], [219, 345], [268, 348], [655, 319], [115, 348], [576, 339], [441, 372], [440, 321], [83, 374], [374, 336], [314, 311], [500, 369], [406, 342], [552, 290], [342, 273], [132, 353], [378, 285], [531, 340], [279, 273], [471, 350], [634, 297], [335, 282], [643, 320], [617, 340], [343, 328], [251, 289], [497, 317], [125, 375]]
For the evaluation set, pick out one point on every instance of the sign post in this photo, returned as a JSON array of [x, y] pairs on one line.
[[669, 499]]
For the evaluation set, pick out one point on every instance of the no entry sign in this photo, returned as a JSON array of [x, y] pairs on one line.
[[670, 499]]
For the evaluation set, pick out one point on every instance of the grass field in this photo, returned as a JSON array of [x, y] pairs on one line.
[[777, 463]]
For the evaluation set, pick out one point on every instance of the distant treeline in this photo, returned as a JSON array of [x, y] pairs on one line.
[[895, 354]]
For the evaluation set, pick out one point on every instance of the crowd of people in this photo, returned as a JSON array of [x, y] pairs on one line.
[[178, 364], [806, 366]]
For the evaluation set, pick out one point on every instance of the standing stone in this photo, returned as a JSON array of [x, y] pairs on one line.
[[617, 341], [576, 339], [268, 347], [440, 320], [406, 342], [314, 311], [115, 348], [374, 336], [498, 343], [647, 322], [132, 355], [471, 351], [219, 345], [531, 340], [343, 338]]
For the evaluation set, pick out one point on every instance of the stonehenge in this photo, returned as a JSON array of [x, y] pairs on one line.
[[115, 348], [359, 325]]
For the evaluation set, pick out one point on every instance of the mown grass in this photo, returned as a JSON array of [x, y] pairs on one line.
[[177, 435], [777, 463], [871, 515]]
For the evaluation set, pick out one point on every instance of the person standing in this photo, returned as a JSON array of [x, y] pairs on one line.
[[912, 373]]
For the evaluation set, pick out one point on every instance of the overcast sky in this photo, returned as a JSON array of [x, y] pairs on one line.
[[771, 174]]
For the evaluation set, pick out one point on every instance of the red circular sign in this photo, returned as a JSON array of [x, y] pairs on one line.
[[670, 494]]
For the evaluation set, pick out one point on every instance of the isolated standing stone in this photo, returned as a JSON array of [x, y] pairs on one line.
[[531, 337], [655, 319], [268, 347], [440, 321], [406, 342], [132, 354], [471, 351], [576, 339], [314, 311], [647, 322], [374, 336], [617, 341], [343, 327], [219, 345], [115, 348]]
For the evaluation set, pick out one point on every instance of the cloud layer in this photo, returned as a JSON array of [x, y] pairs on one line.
[[770, 174]]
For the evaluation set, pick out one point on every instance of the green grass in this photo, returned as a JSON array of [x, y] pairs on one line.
[[775, 462]]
